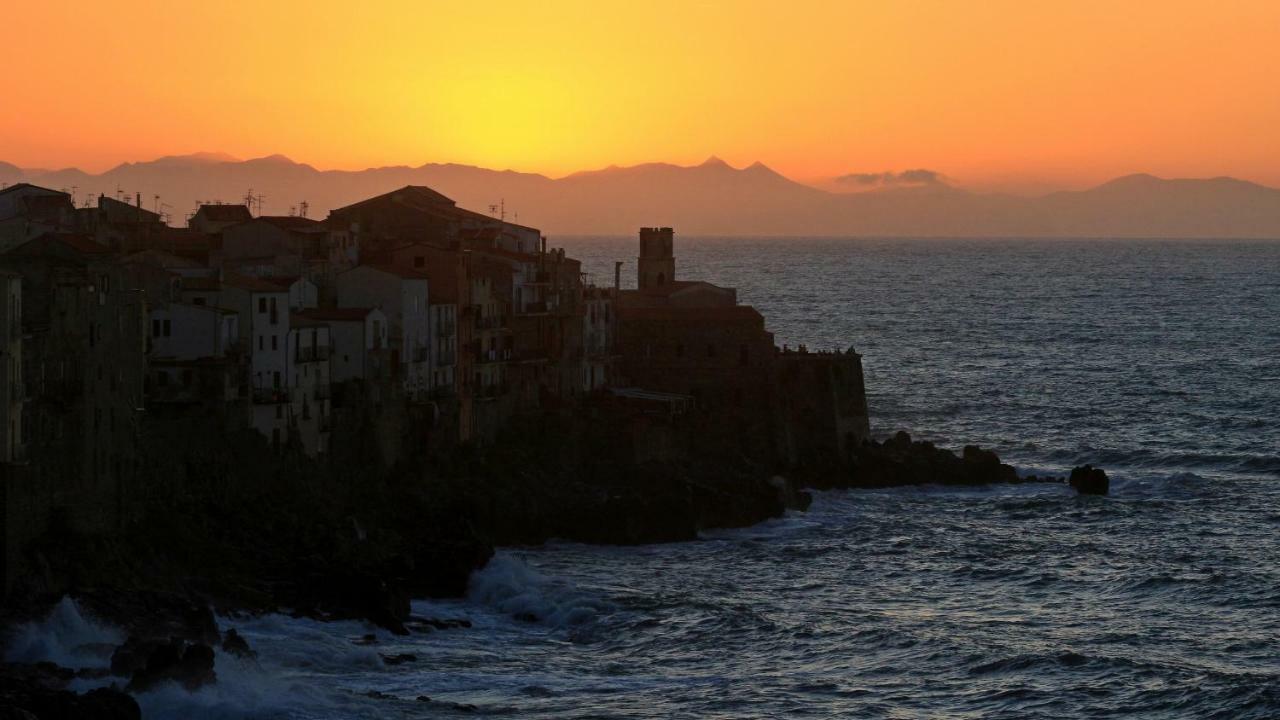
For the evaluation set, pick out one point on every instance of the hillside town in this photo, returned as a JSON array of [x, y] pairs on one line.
[[439, 325]]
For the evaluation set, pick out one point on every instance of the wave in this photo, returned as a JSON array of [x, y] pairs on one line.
[[510, 586], [67, 637]]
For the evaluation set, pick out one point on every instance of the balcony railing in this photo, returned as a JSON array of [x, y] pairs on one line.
[[493, 356]]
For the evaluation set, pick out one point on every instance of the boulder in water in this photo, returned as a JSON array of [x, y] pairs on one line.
[[233, 643], [1089, 480]]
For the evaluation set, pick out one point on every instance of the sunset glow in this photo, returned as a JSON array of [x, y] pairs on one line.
[[993, 94]]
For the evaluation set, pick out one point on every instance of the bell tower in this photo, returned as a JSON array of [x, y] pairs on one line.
[[657, 264]]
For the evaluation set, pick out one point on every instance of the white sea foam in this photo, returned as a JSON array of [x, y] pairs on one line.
[[66, 637], [510, 586]]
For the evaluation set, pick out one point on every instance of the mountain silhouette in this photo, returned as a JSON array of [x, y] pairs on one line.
[[712, 198]]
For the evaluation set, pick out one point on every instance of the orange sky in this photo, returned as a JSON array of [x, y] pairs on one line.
[[989, 93]]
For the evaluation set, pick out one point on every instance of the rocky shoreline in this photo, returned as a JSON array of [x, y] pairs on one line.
[[316, 548]]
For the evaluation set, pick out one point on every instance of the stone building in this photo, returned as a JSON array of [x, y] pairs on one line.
[[404, 295], [212, 219], [12, 385]]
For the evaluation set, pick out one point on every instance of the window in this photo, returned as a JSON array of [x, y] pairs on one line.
[[155, 328], [262, 304], [274, 344], [680, 350], [419, 261], [166, 328], [260, 347], [197, 301], [275, 379], [744, 355]]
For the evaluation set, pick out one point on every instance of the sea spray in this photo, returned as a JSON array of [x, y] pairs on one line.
[[66, 637]]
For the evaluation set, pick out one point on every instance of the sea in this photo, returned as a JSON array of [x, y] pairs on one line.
[[1158, 360]]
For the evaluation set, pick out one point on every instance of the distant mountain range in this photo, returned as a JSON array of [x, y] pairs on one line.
[[708, 199]]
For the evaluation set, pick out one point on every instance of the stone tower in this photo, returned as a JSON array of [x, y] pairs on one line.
[[657, 264]]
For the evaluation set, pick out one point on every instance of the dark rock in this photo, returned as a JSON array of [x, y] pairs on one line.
[[369, 639], [900, 460], [38, 691], [189, 665], [130, 657], [235, 644], [1088, 480]]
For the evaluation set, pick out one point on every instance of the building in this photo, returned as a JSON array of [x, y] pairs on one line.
[[402, 294], [264, 334], [444, 355], [598, 352], [285, 246], [194, 358], [656, 265], [213, 219], [359, 341], [310, 418], [28, 211], [12, 386]]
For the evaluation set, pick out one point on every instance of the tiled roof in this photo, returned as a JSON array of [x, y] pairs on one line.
[[250, 283], [335, 314], [407, 273]]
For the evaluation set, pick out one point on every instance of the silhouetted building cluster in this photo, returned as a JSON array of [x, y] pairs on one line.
[[459, 321]]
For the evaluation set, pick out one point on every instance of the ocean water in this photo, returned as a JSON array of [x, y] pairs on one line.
[[1159, 361]]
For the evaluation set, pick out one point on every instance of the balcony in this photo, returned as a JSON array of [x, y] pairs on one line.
[[493, 356], [270, 396]]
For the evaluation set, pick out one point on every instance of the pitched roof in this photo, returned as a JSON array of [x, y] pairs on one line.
[[225, 213], [403, 272], [336, 314], [250, 283], [293, 222], [201, 283], [81, 244], [418, 197]]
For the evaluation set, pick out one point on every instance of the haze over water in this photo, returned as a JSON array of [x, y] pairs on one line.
[[1159, 361]]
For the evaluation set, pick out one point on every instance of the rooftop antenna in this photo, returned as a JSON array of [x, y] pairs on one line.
[[293, 210], [499, 210], [259, 200], [303, 207], [157, 204], [74, 188], [248, 199]]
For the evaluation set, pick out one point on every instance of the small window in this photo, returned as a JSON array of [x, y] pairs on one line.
[[166, 328], [155, 328], [274, 344], [262, 304]]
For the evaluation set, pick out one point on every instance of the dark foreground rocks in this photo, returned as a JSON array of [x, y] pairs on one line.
[[39, 691], [1089, 480], [901, 461]]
